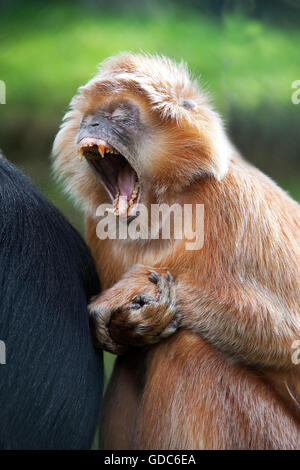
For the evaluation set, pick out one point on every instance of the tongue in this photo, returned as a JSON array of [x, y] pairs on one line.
[[126, 182]]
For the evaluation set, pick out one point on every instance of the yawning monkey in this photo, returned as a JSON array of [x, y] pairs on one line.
[[146, 134]]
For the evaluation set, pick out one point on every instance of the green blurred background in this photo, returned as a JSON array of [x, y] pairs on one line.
[[245, 53]]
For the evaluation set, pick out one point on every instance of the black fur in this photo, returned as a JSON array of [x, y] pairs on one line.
[[51, 384]]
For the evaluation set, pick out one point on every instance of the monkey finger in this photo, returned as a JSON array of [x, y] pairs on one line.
[[154, 277], [101, 336], [140, 300], [166, 290]]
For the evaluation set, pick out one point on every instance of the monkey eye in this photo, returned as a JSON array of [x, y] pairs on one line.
[[189, 104], [119, 112]]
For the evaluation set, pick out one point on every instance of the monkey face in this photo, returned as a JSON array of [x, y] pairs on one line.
[[143, 131], [110, 138]]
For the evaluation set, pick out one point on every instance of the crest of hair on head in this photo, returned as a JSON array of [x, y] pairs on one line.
[[172, 92]]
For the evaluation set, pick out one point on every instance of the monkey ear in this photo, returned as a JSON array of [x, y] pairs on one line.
[[199, 148], [218, 150], [208, 147]]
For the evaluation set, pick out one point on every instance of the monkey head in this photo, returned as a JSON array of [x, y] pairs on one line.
[[142, 129]]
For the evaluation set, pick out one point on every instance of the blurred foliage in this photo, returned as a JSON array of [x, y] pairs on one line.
[[47, 52], [246, 53]]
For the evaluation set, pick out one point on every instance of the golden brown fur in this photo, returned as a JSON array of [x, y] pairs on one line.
[[226, 379]]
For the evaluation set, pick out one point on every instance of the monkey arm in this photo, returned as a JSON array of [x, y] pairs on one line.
[[253, 328], [146, 306]]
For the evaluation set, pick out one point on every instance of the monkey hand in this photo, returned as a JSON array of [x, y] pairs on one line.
[[139, 310]]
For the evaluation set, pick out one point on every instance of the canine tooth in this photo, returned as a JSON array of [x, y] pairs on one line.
[[101, 149]]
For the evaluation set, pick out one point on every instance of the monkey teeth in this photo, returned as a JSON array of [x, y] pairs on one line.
[[116, 202], [123, 211], [103, 149], [134, 193]]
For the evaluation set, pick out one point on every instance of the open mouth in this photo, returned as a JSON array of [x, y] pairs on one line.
[[115, 172]]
